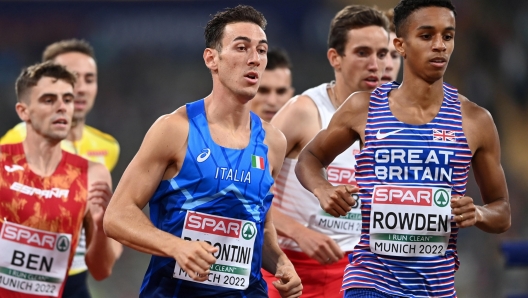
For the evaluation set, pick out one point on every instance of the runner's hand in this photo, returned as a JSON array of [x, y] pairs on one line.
[[288, 283], [319, 247], [336, 200], [196, 258], [99, 196], [465, 212]]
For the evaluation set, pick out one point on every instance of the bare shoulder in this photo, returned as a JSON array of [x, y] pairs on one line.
[[169, 128], [357, 102], [300, 108], [166, 140], [275, 139], [473, 112], [354, 111], [478, 125], [176, 122]]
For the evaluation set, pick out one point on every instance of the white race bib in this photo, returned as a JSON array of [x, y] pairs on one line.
[[78, 264], [410, 221], [348, 224], [235, 240], [33, 261]]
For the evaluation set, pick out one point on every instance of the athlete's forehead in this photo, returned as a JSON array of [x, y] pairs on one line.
[[49, 85], [367, 37], [429, 18], [77, 62], [243, 31], [280, 76]]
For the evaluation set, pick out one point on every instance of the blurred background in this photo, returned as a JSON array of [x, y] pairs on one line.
[[149, 57]]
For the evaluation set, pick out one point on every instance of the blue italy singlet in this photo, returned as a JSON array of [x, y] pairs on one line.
[[220, 196], [407, 175]]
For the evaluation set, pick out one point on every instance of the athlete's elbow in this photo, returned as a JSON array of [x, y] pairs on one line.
[[504, 227], [504, 224], [498, 227], [299, 167], [109, 225], [98, 267], [101, 274]]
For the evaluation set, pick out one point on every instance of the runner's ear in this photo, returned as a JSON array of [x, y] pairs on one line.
[[334, 58]]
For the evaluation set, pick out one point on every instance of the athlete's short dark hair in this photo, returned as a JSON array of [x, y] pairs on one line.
[[405, 8], [30, 76], [390, 16], [278, 58], [214, 30], [66, 46], [353, 17]]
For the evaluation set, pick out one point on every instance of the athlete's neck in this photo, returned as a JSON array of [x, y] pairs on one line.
[[232, 113], [419, 93], [76, 131], [339, 92], [229, 121], [42, 155]]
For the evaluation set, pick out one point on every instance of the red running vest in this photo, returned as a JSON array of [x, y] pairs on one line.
[[56, 204]]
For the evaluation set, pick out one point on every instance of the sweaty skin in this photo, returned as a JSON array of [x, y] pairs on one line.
[[362, 63], [235, 72], [417, 101]]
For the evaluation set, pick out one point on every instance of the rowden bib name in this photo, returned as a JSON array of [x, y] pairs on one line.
[[410, 221], [235, 240]]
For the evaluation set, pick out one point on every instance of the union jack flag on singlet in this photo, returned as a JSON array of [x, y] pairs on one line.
[[444, 135], [407, 175]]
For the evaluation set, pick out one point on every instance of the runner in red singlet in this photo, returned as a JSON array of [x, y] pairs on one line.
[[44, 193]]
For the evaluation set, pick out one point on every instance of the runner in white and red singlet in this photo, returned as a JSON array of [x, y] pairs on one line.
[[316, 242]]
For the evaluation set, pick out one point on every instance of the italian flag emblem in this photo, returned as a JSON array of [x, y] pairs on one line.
[[257, 162]]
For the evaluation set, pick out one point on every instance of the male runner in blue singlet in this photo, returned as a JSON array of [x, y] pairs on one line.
[[418, 141], [206, 171]]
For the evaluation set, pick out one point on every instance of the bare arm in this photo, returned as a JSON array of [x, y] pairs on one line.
[[102, 252], [273, 258], [346, 126], [299, 121], [163, 149], [494, 216], [272, 255]]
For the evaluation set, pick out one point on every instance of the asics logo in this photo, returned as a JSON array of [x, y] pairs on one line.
[[13, 168], [204, 155], [380, 135]]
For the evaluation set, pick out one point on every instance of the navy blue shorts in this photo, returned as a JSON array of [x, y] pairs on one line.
[[77, 286]]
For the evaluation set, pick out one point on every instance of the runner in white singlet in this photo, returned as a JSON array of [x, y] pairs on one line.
[[315, 241]]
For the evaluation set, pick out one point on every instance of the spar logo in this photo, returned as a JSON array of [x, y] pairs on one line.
[[248, 231], [32, 237], [337, 175], [63, 244], [441, 198], [212, 224], [406, 195]]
